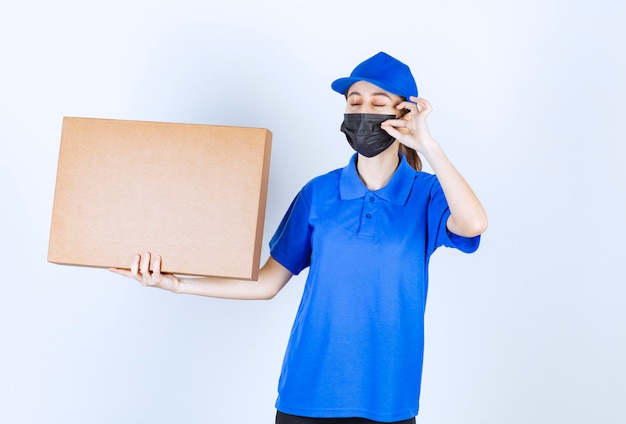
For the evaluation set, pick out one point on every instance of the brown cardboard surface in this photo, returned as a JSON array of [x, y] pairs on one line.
[[194, 194]]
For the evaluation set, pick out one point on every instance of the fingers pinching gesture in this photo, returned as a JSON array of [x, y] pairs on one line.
[[411, 129], [140, 271]]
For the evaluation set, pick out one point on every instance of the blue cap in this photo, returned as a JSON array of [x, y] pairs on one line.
[[383, 71]]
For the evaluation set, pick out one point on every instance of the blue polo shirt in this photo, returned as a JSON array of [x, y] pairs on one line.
[[356, 345]]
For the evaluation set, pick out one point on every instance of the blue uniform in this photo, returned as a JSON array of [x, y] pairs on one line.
[[356, 345]]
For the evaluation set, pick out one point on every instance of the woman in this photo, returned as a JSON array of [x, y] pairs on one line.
[[366, 232]]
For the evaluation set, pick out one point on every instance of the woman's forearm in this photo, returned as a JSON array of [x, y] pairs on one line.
[[468, 217], [272, 278]]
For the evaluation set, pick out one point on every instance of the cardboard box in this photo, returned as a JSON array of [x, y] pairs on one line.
[[194, 194]]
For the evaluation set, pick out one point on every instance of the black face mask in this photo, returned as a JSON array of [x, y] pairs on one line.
[[364, 133]]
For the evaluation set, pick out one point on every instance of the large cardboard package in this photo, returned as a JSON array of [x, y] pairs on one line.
[[194, 194]]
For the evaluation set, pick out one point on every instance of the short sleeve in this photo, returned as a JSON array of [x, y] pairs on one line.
[[464, 244], [291, 243], [438, 214]]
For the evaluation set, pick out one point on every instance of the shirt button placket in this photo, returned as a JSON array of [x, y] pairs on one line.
[[368, 217]]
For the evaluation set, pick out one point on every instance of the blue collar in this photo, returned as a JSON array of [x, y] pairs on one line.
[[396, 191]]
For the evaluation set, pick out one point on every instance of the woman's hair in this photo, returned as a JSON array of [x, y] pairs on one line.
[[410, 154], [411, 157]]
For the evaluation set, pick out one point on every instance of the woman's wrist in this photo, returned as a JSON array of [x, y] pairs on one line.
[[429, 148], [178, 286]]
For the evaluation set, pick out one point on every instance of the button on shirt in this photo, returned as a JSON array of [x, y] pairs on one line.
[[356, 345]]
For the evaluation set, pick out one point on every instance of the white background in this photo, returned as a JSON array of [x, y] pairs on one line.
[[528, 102]]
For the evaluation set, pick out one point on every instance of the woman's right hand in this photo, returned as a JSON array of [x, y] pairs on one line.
[[140, 271]]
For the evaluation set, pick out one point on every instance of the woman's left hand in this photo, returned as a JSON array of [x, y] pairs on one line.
[[411, 129]]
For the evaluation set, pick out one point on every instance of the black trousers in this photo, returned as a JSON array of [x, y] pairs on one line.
[[294, 419]]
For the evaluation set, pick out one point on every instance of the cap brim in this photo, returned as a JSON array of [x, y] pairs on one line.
[[342, 85]]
